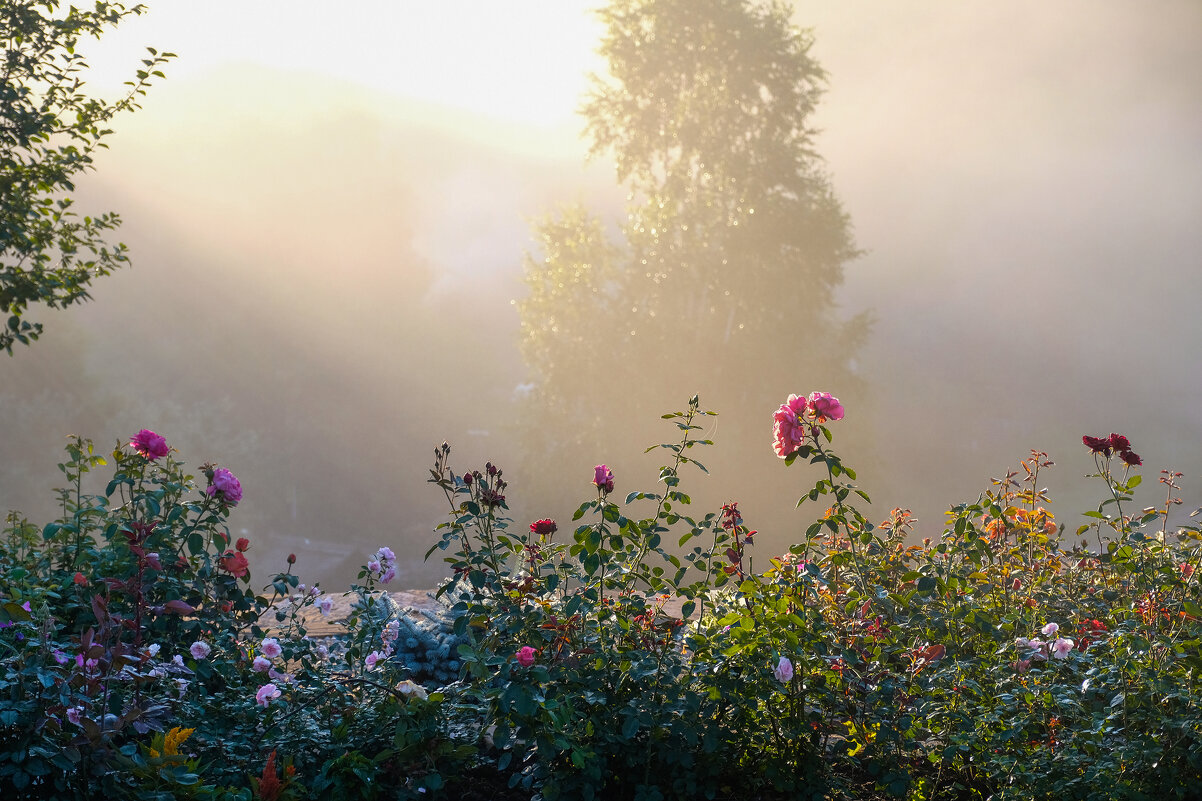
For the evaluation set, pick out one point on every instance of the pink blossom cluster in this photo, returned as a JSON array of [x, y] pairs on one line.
[[383, 564], [1037, 650], [796, 417]]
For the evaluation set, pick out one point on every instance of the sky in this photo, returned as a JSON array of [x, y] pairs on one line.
[[1024, 180]]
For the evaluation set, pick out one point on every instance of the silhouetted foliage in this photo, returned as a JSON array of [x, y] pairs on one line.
[[49, 129]]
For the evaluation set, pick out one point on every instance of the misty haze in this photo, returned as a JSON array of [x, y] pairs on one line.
[[328, 280]]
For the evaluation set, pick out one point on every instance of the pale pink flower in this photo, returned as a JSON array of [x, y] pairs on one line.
[[324, 605], [526, 655], [373, 566], [388, 575], [200, 650], [261, 665], [177, 660], [266, 694], [1187, 570], [271, 648], [1061, 647], [75, 714], [385, 554], [408, 688], [783, 670], [825, 406], [1050, 629], [373, 658], [153, 649], [149, 444]]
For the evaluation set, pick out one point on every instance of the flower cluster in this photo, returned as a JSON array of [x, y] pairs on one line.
[[1115, 443], [797, 416], [383, 564]]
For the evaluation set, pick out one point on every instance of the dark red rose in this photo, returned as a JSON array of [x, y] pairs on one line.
[[1097, 445], [543, 528], [1131, 458], [1119, 443]]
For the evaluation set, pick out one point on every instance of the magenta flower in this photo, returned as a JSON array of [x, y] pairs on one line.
[[788, 429], [825, 406], [526, 655], [149, 444], [261, 665], [603, 478], [200, 650], [783, 670], [373, 566], [74, 714], [388, 575], [271, 648], [373, 658], [225, 483], [266, 694], [1061, 647]]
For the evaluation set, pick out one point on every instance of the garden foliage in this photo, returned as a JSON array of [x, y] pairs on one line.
[[642, 652]]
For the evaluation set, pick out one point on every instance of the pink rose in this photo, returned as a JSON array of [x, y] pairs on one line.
[[80, 580], [74, 714], [787, 427], [526, 656], [149, 444], [1050, 629], [266, 694], [271, 648], [388, 575], [373, 566], [783, 670], [1061, 647], [825, 406], [227, 484], [324, 605], [1187, 570], [261, 665], [200, 649], [373, 658], [603, 478]]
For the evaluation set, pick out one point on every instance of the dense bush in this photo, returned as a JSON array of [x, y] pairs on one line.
[[1008, 658]]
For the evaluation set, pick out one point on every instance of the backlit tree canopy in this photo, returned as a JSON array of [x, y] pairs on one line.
[[734, 241], [49, 130]]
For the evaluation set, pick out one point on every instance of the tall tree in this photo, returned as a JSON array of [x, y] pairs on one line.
[[49, 130], [734, 241]]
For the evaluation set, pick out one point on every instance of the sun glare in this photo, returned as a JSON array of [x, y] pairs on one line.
[[519, 61]]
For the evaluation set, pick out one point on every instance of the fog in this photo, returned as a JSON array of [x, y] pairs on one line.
[[324, 276]]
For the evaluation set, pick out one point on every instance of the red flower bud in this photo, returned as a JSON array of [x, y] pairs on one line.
[[242, 544], [292, 559]]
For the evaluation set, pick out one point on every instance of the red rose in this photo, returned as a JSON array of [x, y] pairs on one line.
[[543, 528], [242, 544], [1097, 445], [234, 563], [1131, 458]]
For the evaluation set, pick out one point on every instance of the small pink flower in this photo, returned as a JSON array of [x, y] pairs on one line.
[[324, 605], [385, 554], [75, 715], [788, 430], [526, 655], [603, 478], [783, 670], [152, 561], [225, 483], [200, 650], [149, 444], [266, 694], [60, 657], [825, 406], [373, 658], [1016, 585], [373, 566], [261, 665], [388, 575], [80, 580], [1187, 570], [1050, 629], [271, 648], [1061, 648]]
